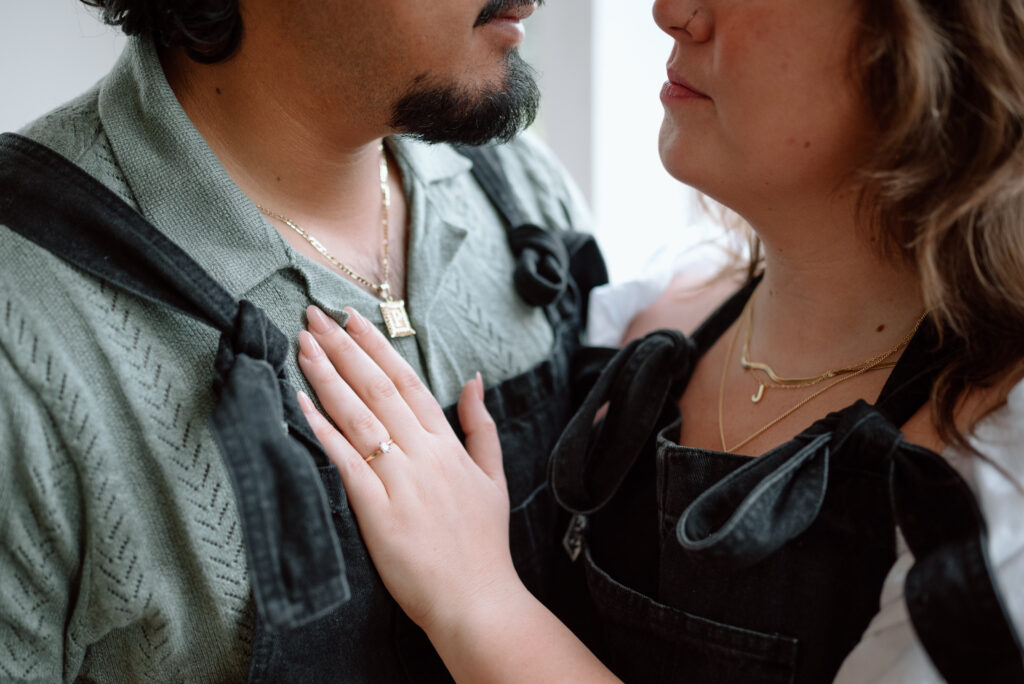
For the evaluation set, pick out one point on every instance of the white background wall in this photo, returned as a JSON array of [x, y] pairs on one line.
[[50, 50], [602, 63]]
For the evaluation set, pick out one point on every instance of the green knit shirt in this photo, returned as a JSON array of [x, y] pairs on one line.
[[121, 555]]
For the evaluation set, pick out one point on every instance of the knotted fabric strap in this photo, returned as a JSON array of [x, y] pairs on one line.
[[542, 264], [954, 603], [756, 509], [590, 462], [955, 607], [542, 273], [295, 561]]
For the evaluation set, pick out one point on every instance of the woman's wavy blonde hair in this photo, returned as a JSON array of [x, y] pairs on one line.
[[945, 184]]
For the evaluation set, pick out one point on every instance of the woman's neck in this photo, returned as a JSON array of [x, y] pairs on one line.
[[829, 298]]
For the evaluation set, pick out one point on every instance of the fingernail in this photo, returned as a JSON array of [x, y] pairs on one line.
[[305, 403], [318, 320], [308, 346], [479, 386], [355, 324]]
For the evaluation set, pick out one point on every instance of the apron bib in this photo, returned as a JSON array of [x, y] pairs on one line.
[[702, 566]]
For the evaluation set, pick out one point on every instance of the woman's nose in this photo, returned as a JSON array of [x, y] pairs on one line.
[[684, 20]]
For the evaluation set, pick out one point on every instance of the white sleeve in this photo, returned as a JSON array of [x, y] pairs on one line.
[[613, 307], [889, 650]]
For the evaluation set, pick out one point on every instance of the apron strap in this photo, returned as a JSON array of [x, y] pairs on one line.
[[548, 264], [758, 508], [955, 606], [264, 440], [590, 461], [909, 386]]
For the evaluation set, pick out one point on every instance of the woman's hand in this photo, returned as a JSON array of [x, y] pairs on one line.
[[434, 516]]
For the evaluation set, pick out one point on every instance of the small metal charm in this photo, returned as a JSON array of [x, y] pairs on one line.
[[572, 542], [396, 318]]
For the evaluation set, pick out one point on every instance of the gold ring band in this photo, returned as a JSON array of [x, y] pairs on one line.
[[383, 448]]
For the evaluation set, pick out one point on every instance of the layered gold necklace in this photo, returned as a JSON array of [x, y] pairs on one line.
[[773, 380], [776, 381], [396, 318]]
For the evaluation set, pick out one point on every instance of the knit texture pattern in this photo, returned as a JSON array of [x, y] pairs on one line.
[[121, 553]]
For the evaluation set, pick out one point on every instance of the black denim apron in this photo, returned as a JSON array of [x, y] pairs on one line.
[[323, 613], [703, 566]]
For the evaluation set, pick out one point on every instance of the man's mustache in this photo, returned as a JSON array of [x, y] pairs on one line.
[[495, 8]]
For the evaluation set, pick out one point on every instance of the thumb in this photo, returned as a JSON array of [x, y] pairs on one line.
[[481, 432]]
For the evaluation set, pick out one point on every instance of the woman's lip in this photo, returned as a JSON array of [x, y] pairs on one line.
[[673, 91], [680, 87]]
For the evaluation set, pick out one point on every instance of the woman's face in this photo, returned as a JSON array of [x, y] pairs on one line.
[[760, 105]]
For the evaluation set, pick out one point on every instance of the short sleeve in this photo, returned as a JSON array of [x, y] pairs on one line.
[[40, 506]]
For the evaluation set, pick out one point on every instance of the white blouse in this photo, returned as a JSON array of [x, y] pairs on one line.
[[889, 650]]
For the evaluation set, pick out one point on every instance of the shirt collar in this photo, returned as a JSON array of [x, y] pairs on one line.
[[181, 187], [177, 181]]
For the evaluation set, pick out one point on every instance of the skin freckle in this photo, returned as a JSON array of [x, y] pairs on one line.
[[218, 90], [880, 328]]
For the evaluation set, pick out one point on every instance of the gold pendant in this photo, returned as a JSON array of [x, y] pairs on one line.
[[396, 318], [757, 396]]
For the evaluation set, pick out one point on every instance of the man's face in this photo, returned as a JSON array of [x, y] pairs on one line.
[[442, 70]]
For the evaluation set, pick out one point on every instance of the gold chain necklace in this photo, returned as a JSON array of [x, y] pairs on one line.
[[775, 381], [877, 364], [396, 318]]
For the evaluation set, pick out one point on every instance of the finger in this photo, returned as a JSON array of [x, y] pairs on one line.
[[357, 422], [409, 385], [481, 433], [370, 383], [363, 487]]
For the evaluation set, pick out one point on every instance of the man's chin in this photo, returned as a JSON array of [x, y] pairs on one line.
[[451, 113]]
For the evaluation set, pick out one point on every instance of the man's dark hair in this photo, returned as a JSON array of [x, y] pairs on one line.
[[208, 30]]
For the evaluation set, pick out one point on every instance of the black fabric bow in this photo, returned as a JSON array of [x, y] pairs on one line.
[[548, 264], [756, 509], [542, 264], [590, 462], [295, 561]]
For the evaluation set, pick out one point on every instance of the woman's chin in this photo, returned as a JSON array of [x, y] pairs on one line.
[[677, 153]]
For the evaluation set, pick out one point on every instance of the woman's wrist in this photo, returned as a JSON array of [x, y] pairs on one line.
[[505, 634], [477, 608]]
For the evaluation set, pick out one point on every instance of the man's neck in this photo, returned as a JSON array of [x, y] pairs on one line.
[[285, 150]]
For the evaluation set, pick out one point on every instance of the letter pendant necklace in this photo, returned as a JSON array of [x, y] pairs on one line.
[[836, 375], [396, 318], [776, 381]]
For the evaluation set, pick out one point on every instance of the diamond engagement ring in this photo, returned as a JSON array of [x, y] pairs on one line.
[[383, 448]]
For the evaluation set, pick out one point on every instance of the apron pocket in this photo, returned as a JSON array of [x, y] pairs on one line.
[[646, 641]]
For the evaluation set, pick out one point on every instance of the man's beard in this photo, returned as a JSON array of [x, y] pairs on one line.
[[452, 114]]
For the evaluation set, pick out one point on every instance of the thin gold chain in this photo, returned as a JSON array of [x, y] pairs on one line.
[[780, 382], [853, 374], [381, 289]]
